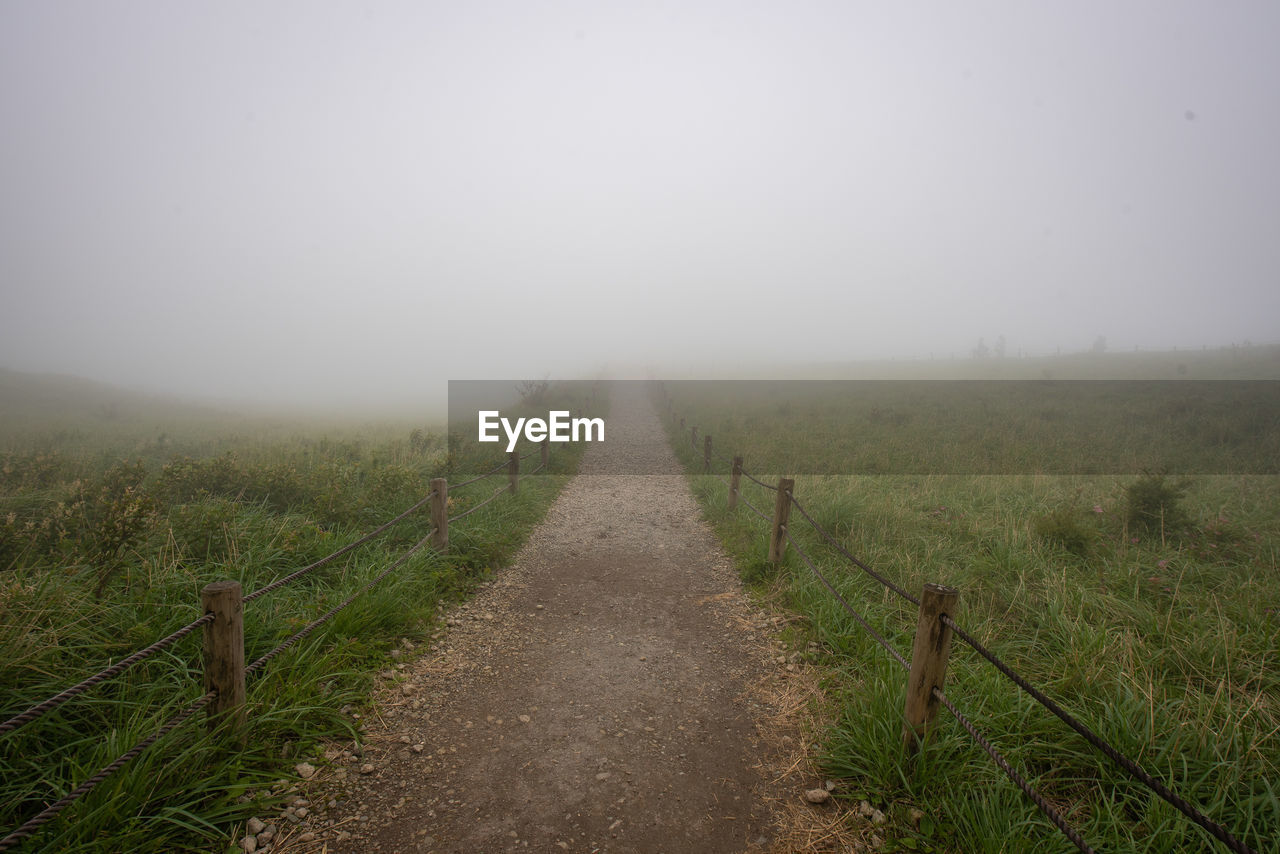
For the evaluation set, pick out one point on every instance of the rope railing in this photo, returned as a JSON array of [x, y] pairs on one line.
[[332, 612], [1045, 807], [826, 535], [1218, 831], [490, 473], [381, 529], [757, 481], [29, 827], [879, 638], [114, 670], [464, 514], [754, 509], [1215, 829]]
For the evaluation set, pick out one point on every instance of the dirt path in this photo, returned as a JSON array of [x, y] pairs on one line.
[[609, 692]]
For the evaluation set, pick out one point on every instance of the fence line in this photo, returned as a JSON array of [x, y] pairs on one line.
[[223, 660], [933, 691]]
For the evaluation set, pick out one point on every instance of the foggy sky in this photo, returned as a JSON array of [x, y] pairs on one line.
[[354, 201]]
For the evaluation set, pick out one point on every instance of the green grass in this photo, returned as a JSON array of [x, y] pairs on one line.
[[1162, 641], [103, 553]]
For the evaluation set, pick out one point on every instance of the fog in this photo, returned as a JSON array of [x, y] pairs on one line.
[[350, 203]]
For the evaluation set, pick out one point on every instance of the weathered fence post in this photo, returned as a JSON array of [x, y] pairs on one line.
[[681, 422], [513, 470], [224, 655], [734, 480], [706, 454], [928, 664], [781, 516], [440, 514], [546, 449], [693, 438]]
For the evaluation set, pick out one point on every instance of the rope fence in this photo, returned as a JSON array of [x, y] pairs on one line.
[[225, 672], [934, 629]]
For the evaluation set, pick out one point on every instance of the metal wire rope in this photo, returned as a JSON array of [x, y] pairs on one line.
[[464, 514], [1218, 831], [366, 538], [840, 548], [328, 615], [748, 476], [753, 509], [114, 670], [849, 608], [1045, 807], [490, 473], [1035, 796], [32, 824]]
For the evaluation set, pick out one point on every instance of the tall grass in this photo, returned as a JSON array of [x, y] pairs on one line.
[[1164, 642], [253, 512]]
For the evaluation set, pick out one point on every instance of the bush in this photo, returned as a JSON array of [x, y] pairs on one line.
[[1063, 528], [1154, 506], [203, 529]]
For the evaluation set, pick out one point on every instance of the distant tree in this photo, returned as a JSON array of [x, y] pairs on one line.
[[999, 348], [982, 350], [532, 392], [1100, 344]]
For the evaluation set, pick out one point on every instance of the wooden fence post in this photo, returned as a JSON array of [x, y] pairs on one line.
[[681, 422], [693, 438], [224, 655], [781, 516], [440, 514], [706, 454], [928, 664], [546, 449], [734, 480], [513, 470]]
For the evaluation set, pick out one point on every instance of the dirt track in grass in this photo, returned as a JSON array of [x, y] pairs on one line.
[[613, 690]]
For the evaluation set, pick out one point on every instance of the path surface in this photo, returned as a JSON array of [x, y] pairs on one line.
[[609, 692]]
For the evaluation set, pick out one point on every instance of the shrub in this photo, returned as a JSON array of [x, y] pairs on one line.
[[203, 529], [1154, 506], [1063, 528]]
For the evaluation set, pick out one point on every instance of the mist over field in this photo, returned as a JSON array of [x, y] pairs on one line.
[[345, 205]]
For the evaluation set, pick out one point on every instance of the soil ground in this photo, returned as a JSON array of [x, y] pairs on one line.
[[613, 690]]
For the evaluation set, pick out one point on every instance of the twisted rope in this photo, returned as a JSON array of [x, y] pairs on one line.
[[1218, 831], [490, 473], [1045, 807], [114, 670], [754, 480], [753, 509], [32, 824], [347, 548], [848, 608], [840, 548], [464, 514], [328, 615]]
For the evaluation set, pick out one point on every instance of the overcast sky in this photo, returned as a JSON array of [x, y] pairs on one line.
[[350, 201]]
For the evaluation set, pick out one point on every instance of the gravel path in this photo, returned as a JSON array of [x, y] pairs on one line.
[[611, 691]]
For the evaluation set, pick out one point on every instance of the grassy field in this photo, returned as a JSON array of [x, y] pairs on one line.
[[1144, 603], [116, 509]]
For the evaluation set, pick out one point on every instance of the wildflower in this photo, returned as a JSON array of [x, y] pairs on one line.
[[1097, 508], [1162, 564]]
